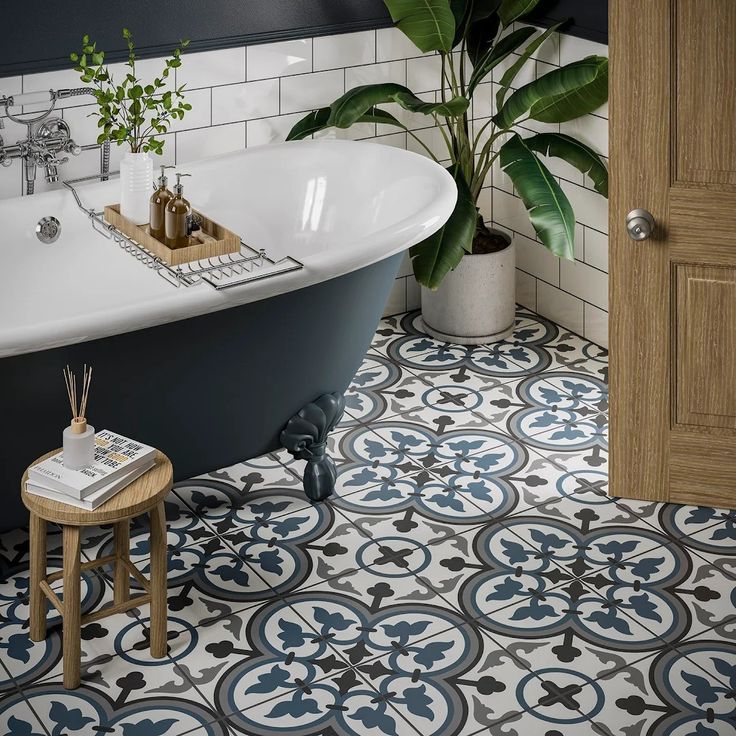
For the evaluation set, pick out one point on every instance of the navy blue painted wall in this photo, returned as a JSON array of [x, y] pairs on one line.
[[40, 35]]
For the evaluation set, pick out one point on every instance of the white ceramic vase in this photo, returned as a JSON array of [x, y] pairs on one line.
[[476, 302], [136, 176]]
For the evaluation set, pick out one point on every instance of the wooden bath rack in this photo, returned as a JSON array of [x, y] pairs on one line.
[[220, 272]]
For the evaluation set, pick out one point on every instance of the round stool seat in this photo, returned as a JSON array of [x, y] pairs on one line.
[[137, 498]]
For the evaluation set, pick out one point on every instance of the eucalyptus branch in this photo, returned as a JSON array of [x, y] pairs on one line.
[[132, 112]]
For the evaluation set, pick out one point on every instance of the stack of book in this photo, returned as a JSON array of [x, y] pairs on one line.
[[118, 462]]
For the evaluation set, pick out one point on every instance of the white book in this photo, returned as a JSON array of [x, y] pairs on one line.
[[115, 456], [98, 497]]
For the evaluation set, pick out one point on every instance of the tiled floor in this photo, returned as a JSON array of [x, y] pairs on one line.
[[469, 576]]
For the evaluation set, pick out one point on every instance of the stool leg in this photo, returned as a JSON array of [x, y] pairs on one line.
[[72, 608], [158, 581], [37, 545], [122, 553]]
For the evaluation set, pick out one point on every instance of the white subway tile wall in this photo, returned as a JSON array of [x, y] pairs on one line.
[[253, 96]]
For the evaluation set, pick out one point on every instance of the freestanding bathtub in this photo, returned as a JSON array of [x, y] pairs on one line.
[[210, 377]]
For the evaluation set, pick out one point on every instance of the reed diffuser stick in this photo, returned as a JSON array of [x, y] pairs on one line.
[[78, 404]]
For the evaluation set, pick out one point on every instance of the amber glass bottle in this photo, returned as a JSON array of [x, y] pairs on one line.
[[176, 218], [158, 202]]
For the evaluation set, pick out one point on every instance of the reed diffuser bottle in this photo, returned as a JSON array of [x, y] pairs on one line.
[[79, 437]]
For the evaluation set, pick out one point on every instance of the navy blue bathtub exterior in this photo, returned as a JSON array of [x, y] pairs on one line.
[[209, 391]]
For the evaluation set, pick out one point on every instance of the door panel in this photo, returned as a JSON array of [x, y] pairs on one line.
[[673, 297], [705, 145], [705, 315]]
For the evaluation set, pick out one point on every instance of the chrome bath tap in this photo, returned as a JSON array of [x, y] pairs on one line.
[[47, 138]]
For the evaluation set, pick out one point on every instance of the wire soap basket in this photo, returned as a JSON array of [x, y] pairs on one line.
[[220, 272]]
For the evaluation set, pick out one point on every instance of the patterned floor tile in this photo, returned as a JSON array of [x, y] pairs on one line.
[[345, 705], [287, 550], [457, 681], [671, 591], [14, 562], [183, 528], [404, 343], [583, 532], [17, 717], [382, 389], [667, 694], [225, 501], [571, 352], [206, 581], [131, 699], [27, 661]]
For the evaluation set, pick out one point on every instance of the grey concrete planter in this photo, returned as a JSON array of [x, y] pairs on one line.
[[475, 303]]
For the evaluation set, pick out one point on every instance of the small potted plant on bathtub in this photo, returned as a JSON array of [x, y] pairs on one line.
[[466, 269], [133, 113]]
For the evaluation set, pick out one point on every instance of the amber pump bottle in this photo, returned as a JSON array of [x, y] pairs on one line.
[[157, 207], [176, 219]]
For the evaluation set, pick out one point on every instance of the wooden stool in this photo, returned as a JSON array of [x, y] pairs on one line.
[[144, 495]]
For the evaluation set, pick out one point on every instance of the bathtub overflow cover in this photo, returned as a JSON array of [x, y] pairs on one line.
[[48, 229]]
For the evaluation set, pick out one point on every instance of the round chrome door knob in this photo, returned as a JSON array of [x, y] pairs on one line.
[[640, 224]]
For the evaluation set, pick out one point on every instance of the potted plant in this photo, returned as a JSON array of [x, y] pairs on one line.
[[467, 270], [132, 113]]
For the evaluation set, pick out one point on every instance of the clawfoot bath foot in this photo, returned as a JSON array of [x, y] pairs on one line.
[[305, 437]]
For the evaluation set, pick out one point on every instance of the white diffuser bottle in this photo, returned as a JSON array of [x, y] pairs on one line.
[[79, 437], [79, 444], [136, 175]]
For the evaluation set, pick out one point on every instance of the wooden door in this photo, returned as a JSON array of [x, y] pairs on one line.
[[673, 297]]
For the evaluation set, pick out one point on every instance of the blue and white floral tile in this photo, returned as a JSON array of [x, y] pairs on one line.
[[382, 389], [17, 718], [486, 569], [129, 700], [206, 581], [453, 399], [572, 626], [455, 682], [403, 343], [544, 416], [671, 591], [253, 656], [14, 562], [675, 692], [583, 533], [285, 551], [508, 479], [27, 661], [344, 705], [570, 352], [225, 503], [707, 531], [183, 528], [428, 447], [355, 614]]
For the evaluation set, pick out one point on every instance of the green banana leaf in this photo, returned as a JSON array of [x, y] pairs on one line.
[[318, 120], [309, 124], [512, 10], [510, 74], [355, 105], [495, 55], [563, 94], [577, 101], [435, 257], [429, 24], [481, 36], [347, 109], [478, 18], [549, 209], [577, 154]]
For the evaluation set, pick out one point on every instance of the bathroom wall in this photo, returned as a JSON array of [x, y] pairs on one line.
[[252, 96]]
